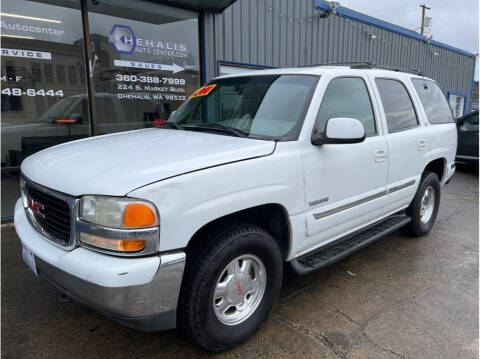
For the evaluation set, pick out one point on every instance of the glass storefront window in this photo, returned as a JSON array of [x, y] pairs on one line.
[[146, 60], [144, 64], [42, 84]]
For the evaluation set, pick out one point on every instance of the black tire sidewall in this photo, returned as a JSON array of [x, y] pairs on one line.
[[210, 332], [417, 227]]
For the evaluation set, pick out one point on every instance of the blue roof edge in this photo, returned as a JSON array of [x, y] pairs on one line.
[[342, 11]]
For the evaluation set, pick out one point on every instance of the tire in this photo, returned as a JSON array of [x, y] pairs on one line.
[[198, 311], [420, 226]]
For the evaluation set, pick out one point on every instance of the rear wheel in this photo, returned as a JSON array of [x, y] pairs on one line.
[[230, 287], [424, 207]]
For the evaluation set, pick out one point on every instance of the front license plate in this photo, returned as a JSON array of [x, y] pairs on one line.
[[29, 259]]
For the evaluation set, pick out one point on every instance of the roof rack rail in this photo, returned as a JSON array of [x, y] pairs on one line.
[[367, 65], [345, 63], [391, 68]]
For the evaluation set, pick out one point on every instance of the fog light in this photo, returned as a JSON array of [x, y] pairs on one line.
[[112, 244]]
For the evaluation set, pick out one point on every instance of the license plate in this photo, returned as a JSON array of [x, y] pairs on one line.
[[29, 259]]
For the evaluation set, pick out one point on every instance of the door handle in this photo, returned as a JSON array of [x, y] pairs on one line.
[[380, 155], [421, 144]]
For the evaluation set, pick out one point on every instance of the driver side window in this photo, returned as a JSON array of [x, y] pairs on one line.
[[347, 97]]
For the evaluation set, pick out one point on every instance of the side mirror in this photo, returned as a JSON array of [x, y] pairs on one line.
[[340, 130]]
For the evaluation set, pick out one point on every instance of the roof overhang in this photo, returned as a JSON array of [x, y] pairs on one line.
[[214, 5]]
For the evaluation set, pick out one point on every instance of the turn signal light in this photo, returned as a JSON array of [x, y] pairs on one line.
[[138, 215], [118, 245]]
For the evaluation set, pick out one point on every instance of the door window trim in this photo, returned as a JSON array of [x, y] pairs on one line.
[[314, 129], [409, 96]]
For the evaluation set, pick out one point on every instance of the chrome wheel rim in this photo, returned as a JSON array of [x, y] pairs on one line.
[[427, 205], [239, 289]]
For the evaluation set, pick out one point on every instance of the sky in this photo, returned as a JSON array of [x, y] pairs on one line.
[[454, 22]]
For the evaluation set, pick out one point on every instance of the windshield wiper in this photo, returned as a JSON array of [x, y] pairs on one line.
[[171, 124], [216, 126]]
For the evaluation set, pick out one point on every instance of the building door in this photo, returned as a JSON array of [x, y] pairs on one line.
[[77, 68], [145, 62], [43, 84]]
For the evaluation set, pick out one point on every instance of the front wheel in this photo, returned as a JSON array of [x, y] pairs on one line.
[[424, 207], [230, 287]]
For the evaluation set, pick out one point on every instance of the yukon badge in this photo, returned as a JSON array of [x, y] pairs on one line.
[[318, 201]]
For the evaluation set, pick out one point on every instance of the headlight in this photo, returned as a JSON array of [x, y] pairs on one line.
[[118, 212], [126, 226]]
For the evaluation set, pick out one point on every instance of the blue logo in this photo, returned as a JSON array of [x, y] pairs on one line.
[[123, 39]]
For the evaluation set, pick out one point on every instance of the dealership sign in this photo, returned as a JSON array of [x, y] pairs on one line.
[[31, 54], [124, 41], [149, 65]]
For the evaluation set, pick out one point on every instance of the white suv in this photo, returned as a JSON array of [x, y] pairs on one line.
[[189, 225]]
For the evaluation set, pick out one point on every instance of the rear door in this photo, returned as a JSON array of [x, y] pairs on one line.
[[407, 139]]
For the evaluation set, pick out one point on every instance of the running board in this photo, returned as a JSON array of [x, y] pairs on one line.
[[343, 247]]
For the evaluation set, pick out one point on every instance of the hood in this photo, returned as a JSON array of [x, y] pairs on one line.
[[119, 163]]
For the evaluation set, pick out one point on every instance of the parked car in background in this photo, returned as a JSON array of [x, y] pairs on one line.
[[467, 128], [189, 224], [67, 120]]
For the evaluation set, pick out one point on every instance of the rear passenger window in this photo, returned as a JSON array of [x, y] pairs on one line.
[[433, 101], [347, 97], [397, 104]]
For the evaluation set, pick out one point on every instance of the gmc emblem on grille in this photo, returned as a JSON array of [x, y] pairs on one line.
[[36, 207]]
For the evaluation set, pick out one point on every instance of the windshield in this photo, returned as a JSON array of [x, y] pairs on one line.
[[264, 106]]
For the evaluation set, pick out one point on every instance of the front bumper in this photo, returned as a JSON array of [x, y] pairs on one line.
[[139, 292]]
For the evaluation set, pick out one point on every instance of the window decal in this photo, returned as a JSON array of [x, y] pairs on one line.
[[203, 91]]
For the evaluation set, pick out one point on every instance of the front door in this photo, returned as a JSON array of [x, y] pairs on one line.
[[344, 183]]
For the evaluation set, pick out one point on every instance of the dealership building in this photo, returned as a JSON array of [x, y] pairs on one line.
[[77, 68]]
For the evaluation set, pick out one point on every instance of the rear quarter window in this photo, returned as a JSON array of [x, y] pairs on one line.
[[434, 102]]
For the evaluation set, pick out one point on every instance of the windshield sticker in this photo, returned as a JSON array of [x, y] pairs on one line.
[[203, 91]]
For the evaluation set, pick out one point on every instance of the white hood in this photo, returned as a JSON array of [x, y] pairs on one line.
[[119, 163]]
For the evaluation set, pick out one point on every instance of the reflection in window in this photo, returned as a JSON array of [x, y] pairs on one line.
[[146, 62], [61, 75], [36, 82], [36, 72], [72, 75], [433, 101], [48, 70], [347, 97], [397, 105]]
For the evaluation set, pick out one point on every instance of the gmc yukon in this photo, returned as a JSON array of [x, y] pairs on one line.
[[189, 225]]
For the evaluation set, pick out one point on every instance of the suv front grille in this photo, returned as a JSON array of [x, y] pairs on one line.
[[53, 216]]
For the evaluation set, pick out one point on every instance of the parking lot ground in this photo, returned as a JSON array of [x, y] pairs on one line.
[[398, 298]]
